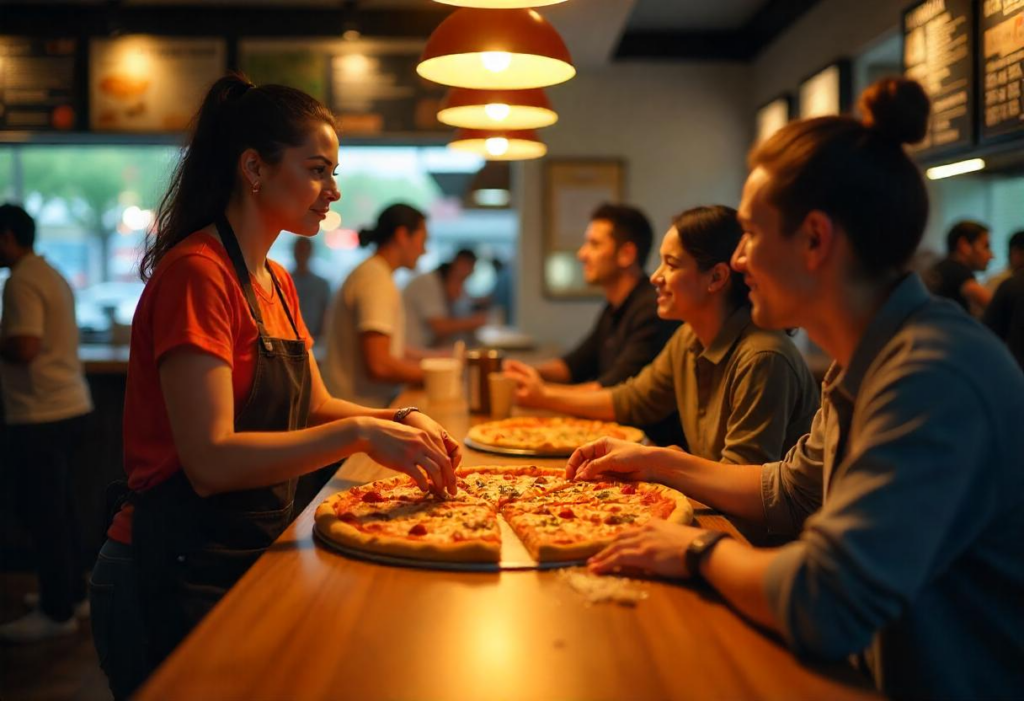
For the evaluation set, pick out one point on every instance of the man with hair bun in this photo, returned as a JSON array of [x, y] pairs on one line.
[[907, 495]]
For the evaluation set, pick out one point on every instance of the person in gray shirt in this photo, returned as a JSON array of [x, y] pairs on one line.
[[313, 291], [908, 492]]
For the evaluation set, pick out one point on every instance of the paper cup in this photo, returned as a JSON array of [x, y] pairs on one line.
[[441, 379], [503, 391]]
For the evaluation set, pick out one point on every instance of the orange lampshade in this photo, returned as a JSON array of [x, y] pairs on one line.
[[496, 50], [497, 109], [499, 4], [498, 145]]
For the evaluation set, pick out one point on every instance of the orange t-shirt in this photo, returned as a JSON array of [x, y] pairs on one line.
[[193, 299]]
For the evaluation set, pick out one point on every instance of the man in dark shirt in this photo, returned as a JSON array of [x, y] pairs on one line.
[[1005, 314], [968, 251], [628, 333]]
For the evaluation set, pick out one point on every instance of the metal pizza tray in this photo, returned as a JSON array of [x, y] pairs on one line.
[[526, 452], [513, 556]]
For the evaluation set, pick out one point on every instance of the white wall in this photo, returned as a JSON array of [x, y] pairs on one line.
[[683, 131]]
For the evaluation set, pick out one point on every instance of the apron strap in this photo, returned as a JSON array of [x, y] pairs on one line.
[[230, 241]]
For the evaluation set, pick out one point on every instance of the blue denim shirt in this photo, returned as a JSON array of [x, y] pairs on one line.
[[908, 497]]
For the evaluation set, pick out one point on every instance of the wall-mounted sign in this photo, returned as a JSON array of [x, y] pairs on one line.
[[37, 84], [1002, 68], [371, 85], [938, 52], [150, 84], [772, 117], [827, 92]]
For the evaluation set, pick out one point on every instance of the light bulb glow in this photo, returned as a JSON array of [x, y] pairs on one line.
[[496, 145], [496, 61], [948, 171], [497, 111]]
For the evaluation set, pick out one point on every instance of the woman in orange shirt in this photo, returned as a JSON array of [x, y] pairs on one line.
[[225, 407]]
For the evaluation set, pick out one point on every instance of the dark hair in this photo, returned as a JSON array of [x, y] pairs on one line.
[[467, 253], [857, 173], [966, 229], [16, 220], [235, 116], [711, 235], [388, 222], [1016, 241], [629, 225]]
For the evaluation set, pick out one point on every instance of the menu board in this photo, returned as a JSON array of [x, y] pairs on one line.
[[772, 117], [371, 85], [826, 93], [1002, 69], [150, 84], [37, 84], [938, 38]]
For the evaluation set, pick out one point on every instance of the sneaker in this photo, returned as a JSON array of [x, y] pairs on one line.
[[81, 608], [34, 626]]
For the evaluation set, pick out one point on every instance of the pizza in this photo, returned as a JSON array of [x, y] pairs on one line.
[[557, 520], [548, 435]]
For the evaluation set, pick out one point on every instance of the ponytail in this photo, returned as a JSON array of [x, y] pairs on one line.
[[389, 221]]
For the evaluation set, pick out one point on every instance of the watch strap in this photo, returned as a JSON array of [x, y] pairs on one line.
[[699, 548]]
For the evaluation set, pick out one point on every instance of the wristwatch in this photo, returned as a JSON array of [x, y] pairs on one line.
[[403, 412], [699, 548]]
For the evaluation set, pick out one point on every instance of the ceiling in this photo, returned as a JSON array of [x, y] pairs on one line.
[[596, 31]]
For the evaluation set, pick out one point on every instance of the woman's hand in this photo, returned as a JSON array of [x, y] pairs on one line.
[[529, 384], [657, 548], [611, 457], [412, 451], [437, 433]]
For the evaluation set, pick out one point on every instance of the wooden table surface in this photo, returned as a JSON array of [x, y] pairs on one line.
[[308, 623]]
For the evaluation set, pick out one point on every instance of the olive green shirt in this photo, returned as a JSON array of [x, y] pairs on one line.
[[746, 399]]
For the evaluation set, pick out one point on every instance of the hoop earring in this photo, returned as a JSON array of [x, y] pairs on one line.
[[256, 187]]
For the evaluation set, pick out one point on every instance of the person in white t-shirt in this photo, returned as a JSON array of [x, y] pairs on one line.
[[430, 299], [367, 362], [46, 400]]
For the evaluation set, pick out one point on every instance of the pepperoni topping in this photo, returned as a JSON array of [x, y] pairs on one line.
[[541, 480], [418, 529], [372, 498], [509, 477], [612, 520], [566, 513], [629, 489], [615, 508], [595, 518]]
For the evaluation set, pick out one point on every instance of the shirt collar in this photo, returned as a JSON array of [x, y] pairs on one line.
[[908, 296], [731, 330], [634, 293]]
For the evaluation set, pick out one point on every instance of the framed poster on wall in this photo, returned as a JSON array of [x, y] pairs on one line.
[[773, 116], [573, 189], [827, 92]]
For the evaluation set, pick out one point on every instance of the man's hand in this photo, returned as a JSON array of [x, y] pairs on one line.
[[657, 548], [611, 457], [530, 389]]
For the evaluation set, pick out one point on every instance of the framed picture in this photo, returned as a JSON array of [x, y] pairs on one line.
[[573, 189], [772, 116], [827, 92]]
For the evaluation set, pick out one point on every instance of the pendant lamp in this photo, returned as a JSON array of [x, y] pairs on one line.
[[496, 50], [497, 145], [497, 109], [499, 4]]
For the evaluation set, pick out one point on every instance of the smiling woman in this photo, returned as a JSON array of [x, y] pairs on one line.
[[225, 407]]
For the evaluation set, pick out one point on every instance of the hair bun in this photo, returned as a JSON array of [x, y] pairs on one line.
[[367, 236], [897, 108]]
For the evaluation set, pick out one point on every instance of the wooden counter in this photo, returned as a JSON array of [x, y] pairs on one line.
[[307, 623]]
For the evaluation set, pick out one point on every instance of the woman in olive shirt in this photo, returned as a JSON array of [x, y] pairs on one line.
[[743, 394]]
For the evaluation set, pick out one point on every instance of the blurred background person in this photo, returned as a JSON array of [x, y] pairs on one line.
[[314, 292], [433, 302], [1005, 313], [46, 400], [1015, 258], [367, 362], [967, 252]]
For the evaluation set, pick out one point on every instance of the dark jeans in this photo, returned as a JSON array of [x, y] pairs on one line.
[[117, 620], [43, 459]]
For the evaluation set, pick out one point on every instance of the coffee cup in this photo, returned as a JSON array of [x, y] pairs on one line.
[[503, 390], [441, 379]]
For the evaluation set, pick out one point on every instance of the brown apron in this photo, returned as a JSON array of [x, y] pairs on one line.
[[189, 550]]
